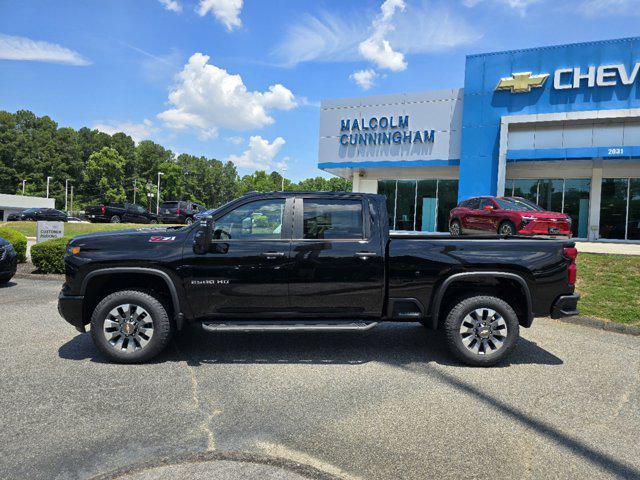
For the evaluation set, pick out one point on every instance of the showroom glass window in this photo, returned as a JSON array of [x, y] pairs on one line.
[[331, 219], [569, 195], [620, 209], [255, 220], [420, 205], [388, 189]]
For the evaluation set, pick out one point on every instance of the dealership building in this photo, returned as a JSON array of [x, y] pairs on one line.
[[557, 125]]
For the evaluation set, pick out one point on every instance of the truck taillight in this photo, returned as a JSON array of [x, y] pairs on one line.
[[572, 271], [178, 210], [103, 209]]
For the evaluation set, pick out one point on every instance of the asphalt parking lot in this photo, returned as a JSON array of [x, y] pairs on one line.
[[383, 404]]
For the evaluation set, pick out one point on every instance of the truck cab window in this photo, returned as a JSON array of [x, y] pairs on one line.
[[332, 219], [255, 220]]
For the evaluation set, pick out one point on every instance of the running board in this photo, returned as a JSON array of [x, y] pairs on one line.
[[287, 326]]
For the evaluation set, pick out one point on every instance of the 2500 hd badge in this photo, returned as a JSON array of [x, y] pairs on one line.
[[311, 261]]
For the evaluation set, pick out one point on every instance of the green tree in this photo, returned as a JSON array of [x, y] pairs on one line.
[[105, 174]]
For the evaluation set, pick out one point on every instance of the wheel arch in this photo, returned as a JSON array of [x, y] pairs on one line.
[[108, 280], [513, 289]]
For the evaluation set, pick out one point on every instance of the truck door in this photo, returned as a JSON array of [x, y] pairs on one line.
[[245, 271], [337, 259]]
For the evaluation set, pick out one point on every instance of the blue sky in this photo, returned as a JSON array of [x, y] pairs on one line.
[[243, 80]]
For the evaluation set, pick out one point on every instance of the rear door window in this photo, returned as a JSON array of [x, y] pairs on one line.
[[332, 219], [472, 203]]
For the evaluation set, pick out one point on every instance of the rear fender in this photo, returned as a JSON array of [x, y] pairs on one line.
[[436, 303]]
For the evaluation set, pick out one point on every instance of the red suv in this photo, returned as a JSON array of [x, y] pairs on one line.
[[506, 216]]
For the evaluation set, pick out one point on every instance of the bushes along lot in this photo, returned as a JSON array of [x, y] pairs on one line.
[[48, 257], [18, 240]]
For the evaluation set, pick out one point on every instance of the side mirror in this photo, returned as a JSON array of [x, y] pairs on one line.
[[203, 237], [488, 208]]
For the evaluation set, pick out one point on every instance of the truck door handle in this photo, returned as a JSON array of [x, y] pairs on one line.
[[272, 255], [365, 255]]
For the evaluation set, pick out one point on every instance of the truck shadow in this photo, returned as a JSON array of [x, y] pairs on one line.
[[393, 343]]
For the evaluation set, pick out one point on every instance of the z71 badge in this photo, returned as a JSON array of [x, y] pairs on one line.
[[160, 239]]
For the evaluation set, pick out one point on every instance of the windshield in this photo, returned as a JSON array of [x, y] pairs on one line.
[[517, 204], [30, 210]]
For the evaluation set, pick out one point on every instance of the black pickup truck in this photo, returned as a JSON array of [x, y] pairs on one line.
[[311, 261], [120, 212]]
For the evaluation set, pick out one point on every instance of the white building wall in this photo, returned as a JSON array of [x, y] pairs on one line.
[[16, 203]]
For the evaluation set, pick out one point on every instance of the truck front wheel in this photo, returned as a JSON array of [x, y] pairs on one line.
[[130, 326], [482, 330]]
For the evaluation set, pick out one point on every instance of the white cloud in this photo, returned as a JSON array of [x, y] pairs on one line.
[[376, 47], [226, 11], [260, 153], [171, 5], [207, 97], [236, 140], [364, 78], [520, 6], [419, 28], [598, 8], [137, 131], [23, 48]]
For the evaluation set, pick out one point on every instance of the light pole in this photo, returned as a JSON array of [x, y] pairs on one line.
[[158, 197], [283, 169], [66, 194], [135, 189], [24, 183], [72, 198], [48, 180]]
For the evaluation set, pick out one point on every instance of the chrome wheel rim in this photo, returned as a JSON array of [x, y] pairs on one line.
[[189, 221], [506, 230], [128, 328], [483, 331], [454, 229]]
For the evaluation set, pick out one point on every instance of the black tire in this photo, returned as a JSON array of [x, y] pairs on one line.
[[507, 229], [455, 229], [153, 222], [5, 279], [462, 311], [188, 221], [114, 219], [162, 326]]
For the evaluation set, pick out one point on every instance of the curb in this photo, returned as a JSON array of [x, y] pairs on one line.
[[602, 325]]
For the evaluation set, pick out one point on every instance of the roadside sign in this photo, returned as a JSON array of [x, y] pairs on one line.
[[49, 230]]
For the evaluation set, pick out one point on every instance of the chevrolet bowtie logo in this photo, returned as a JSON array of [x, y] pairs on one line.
[[522, 82]]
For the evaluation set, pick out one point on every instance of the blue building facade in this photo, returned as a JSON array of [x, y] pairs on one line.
[[559, 125], [575, 65]]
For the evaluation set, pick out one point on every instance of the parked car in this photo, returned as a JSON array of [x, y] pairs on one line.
[[310, 261], [120, 212], [506, 216], [179, 211], [35, 214], [8, 261]]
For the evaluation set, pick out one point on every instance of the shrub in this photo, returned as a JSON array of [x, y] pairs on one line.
[[48, 257], [18, 240]]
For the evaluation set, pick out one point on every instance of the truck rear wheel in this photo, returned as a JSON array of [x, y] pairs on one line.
[[114, 219], [482, 330], [130, 326]]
